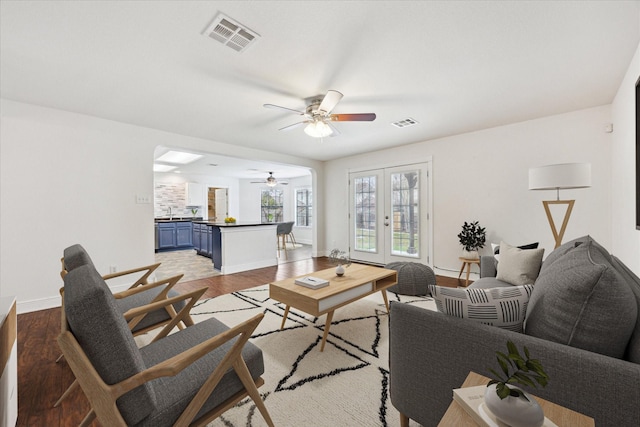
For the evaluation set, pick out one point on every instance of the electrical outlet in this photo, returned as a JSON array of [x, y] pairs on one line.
[[113, 269]]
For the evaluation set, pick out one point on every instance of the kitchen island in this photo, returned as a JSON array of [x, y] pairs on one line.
[[236, 247]]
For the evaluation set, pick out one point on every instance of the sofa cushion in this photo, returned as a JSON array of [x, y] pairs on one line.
[[633, 348], [580, 300], [495, 248], [519, 266], [103, 334], [504, 307]]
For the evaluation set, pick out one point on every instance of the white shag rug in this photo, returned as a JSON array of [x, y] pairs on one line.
[[346, 385]]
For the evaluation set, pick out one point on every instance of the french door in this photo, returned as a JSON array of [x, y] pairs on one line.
[[389, 214]]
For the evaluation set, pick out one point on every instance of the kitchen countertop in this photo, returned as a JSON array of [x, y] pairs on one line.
[[232, 224], [178, 219]]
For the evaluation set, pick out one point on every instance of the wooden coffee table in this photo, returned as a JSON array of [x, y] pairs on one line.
[[358, 282]]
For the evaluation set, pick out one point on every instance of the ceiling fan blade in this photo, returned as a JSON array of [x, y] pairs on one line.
[[295, 125], [278, 107], [361, 117], [329, 101]]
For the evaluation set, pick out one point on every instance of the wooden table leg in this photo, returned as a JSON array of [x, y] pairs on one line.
[[386, 300], [462, 269], [284, 318], [466, 283], [327, 325]]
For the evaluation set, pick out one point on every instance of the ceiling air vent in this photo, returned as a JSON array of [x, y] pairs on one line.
[[231, 33], [405, 123]]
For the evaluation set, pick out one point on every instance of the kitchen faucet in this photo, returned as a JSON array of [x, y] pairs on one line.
[[170, 214]]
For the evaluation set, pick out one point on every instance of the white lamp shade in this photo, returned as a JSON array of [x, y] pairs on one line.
[[565, 175], [318, 129]]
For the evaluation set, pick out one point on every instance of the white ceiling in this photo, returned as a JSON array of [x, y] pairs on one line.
[[454, 67]]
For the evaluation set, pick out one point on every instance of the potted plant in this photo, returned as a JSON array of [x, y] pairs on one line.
[[341, 259], [472, 237], [509, 403]]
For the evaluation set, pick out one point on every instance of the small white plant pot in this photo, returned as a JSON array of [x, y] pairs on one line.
[[340, 270], [470, 254], [514, 411]]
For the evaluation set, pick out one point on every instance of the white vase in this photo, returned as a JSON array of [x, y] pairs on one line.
[[514, 411], [340, 270], [470, 254]]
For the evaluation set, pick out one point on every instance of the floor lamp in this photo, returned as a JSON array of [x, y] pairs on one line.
[[556, 177]]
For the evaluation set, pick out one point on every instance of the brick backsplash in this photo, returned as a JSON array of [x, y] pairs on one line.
[[171, 195]]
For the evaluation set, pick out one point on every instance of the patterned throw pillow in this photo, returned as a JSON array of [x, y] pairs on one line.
[[503, 307]]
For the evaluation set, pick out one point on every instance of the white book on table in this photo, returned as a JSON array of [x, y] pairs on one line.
[[312, 282]]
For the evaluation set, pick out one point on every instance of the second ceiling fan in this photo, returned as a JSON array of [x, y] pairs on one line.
[[319, 117]]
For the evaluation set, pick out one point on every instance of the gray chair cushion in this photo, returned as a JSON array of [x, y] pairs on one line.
[[103, 334], [633, 348], [580, 300], [175, 393], [413, 278], [75, 256], [143, 298]]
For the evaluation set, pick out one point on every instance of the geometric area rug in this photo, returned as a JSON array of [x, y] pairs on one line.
[[345, 385]]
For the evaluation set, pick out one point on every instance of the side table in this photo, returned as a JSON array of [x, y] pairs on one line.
[[457, 416], [467, 262]]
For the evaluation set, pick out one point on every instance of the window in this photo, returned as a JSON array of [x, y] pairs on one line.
[[271, 205], [304, 208]]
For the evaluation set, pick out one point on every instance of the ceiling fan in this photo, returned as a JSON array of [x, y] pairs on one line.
[[319, 117], [271, 181]]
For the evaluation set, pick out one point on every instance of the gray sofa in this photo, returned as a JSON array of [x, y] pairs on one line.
[[582, 322]]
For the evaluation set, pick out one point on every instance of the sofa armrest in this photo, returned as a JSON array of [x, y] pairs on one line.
[[430, 354], [488, 266]]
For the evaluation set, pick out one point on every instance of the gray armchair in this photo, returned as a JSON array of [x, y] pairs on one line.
[[187, 378]]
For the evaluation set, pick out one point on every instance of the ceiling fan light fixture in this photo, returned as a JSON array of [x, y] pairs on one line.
[[318, 129]]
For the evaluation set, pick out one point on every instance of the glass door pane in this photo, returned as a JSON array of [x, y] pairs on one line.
[[365, 213], [405, 200]]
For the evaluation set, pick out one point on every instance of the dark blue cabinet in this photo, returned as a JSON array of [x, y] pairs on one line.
[[196, 237], [184, 234], [175, 235], [166, 236]]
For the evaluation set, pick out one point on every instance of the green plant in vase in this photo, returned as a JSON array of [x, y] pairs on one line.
[[509, 403]]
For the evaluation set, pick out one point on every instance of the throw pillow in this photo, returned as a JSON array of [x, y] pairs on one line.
[[580, 300], [519, 266], [495, 248], [504, 307]]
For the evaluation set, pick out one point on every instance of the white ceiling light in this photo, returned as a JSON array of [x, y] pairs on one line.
[[162, 168], [318, 129], [178, 157]]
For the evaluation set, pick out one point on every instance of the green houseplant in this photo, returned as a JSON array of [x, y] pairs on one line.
[[472, 237], [509, 403]]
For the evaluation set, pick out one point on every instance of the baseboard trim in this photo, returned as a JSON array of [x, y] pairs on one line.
[[51, 302]]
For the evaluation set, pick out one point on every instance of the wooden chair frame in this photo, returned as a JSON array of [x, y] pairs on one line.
[[102, 396]]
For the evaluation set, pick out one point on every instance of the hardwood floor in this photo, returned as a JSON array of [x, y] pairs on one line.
[[41, 380]]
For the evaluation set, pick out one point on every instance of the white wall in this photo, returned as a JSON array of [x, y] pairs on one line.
[[626, 239], [68, 178], [484, 176]]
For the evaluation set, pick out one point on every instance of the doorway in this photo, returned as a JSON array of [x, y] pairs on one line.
[[217, 204], [390, 213]]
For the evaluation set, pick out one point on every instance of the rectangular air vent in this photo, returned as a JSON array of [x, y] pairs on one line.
[[231, 33], [405, 123]]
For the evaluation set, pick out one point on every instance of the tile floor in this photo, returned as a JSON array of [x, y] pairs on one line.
[[195, 266]]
